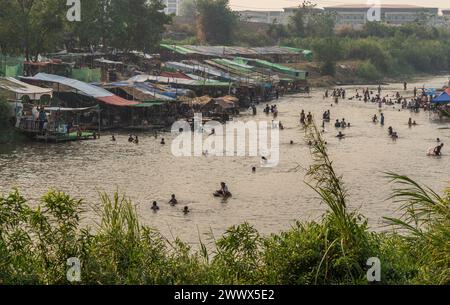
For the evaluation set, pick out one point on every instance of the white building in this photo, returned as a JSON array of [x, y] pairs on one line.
[[358, 15], [262, 16], [172, 7], [290, 11]]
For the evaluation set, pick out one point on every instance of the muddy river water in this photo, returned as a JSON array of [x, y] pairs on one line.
[[270, 199]]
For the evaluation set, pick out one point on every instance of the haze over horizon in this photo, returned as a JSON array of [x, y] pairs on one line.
[[241, 5]]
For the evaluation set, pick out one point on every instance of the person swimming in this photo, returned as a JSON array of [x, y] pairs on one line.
[[281, 126], [131, 139], [155, 207], [438, 140], [340, 135], [437, 149], [292, 142], [223, 192], [253, 169], [173, 201], [337, 124], [186, 210], [410, 122], [394, 135]]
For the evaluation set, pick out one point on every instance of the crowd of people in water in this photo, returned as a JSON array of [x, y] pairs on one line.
[[223, 193], [419, 101], [307, 118]]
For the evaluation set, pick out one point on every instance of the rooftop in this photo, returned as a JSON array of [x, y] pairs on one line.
[[385, 6]]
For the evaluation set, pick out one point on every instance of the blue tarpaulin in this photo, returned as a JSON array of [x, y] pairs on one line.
[[444, 98]]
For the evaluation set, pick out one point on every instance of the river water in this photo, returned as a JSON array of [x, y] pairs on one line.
[[271, 199]]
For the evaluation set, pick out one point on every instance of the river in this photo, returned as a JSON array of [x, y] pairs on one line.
[[271, 199]]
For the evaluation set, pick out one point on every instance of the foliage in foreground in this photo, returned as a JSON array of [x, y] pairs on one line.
[[35, 243]]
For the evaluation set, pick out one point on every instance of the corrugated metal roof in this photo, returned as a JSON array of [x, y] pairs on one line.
[[87, 89], [115, 100], [16, 86], [90, 90]]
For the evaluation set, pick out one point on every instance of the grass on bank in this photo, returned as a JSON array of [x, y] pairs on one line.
[[35, 243]]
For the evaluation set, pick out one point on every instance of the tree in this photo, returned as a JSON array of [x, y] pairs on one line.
[[32, 26], [277, 32], [298, 22], [188, 8], [216, 21], [136, 24], [328, 51], [5, 112], [320, 24], [93, 30]]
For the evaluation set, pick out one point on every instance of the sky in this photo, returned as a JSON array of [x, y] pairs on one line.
[[280, 4]]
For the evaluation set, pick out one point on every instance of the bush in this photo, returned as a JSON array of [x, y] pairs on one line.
[[328, 68], [5, 113], [368, 71]]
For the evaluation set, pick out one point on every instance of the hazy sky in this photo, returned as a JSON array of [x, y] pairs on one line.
[[279, 4]]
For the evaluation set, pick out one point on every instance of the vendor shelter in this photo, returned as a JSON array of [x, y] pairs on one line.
[[17, 90]]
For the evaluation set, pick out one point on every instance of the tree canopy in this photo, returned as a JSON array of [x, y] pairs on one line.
[[32, 27], [216, 22]]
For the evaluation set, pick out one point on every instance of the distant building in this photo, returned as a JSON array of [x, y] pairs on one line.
[[442, 20], [358, 15], [290, 11], [262, 16], [172, 7]]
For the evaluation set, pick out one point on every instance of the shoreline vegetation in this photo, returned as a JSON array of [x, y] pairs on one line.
[[35, 243], [375, 53], [8, 135]]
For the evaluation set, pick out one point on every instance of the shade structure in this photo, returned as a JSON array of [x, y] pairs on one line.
[[20, 89], [444, 98], [84, 88]]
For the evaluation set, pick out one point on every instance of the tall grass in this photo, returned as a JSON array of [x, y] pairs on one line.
[[35, 243], [426, 223]]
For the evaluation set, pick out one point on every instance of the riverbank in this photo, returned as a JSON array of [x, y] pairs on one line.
[[11, 136]]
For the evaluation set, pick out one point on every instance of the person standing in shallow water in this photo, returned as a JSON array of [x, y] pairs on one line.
[[173, 201], [382, 119], [155, 207], [437, 149]]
